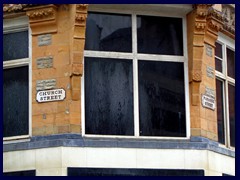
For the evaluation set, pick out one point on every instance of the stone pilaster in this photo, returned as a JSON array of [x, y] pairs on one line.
[[204, 23]]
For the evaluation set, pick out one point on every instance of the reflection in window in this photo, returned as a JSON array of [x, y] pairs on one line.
[[161, 99], [108, 96], [231, 99], [15, 46], [109, 32], [15, 100], [159, 35], [231, 63], [220, 110]]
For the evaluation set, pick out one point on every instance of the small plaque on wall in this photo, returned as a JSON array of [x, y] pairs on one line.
[[45, 62], [209, 50], [51, 95], [208, 102], [210, 72], [46, 84], [44, 40]]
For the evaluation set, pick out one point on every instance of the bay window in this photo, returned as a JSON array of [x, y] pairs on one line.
[[135, 76]]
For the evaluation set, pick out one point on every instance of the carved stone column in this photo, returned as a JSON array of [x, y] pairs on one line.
[[78, 41]]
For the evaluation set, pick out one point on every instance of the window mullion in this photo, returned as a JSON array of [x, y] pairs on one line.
[[135, 76], [227, 124]]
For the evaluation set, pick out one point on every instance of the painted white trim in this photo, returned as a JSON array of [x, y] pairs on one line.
[[16, 63], [15, 138], [135, 57]]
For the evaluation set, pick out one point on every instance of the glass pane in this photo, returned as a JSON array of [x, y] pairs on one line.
[[15, 101], [218, 50], [218, 65], [109, 32], [220, 110], [161, 99], [159, 35], [231, 63], [15, 45], [231, 99], [108, 96]]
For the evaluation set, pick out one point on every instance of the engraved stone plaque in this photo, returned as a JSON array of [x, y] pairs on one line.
[[46, 84], [209, 50], [210, 72], [45, 62], [210, 92], [44, 40]]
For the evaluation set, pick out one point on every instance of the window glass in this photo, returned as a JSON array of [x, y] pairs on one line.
[[161, 99], [159, 35], [231, 98], [15, 45], [218, 65], [220, 110], [231, 63], [109, 32], [218, 50], [15, 101], [108, 96]]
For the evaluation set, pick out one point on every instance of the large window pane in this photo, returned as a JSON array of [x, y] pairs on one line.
[[159, 35], [15, 45], [108, 96], [220, 110], [161, 99], [109, 32], [15, 101], [231, 63], [231, 98]]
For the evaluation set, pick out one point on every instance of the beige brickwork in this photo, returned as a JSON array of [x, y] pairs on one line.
[[66, 25], [203, 25]]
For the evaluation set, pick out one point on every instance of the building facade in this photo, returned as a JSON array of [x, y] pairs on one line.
[[119, 89]]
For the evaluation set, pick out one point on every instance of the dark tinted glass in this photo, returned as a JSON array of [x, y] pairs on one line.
[[159, 35], [15, 45], [108, 96], [218, 65], [231, 99], [21, 173], [161, 99], [15, 101], [133, 172], [231, 63], [220, 115], [109, 32], [218, 50]]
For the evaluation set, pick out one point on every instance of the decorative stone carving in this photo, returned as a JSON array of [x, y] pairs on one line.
[[228, 13], [201, 10], [80, 18], [43, 19], [82, 7], [197, 75], [41, 14]]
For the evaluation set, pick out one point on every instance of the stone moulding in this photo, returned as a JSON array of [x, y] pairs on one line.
[[43, 19]]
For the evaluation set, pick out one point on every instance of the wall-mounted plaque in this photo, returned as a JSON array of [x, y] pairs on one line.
[[51, 95], [46, 84], [44, 40], [210, 72], [45, 62], [208, 102], [210, 92], [209, 50]]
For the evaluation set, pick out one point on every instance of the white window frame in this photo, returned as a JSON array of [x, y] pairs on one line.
[[134, 56], [13, 25], [229, 43]]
